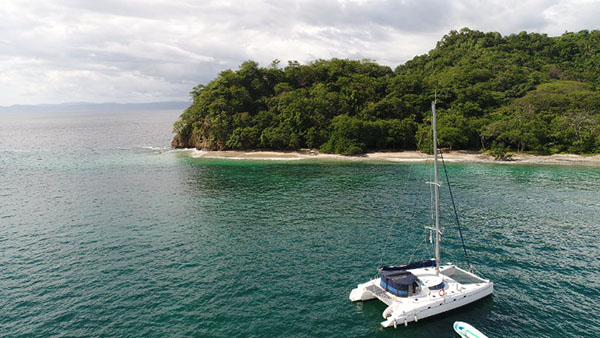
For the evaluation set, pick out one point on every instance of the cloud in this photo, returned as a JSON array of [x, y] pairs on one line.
[[153, 50]]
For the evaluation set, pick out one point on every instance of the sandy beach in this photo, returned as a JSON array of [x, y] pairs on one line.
[[404, 156]]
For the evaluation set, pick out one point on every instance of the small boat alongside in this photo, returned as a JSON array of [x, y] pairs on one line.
[[425, 288], [467, 331]]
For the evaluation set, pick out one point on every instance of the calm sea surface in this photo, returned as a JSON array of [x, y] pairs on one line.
[[105, 231]]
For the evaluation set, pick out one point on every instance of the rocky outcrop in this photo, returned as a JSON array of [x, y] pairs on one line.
[[195, 141], [178, 142]]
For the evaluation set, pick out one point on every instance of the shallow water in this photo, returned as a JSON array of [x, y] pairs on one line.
[[106, 231]]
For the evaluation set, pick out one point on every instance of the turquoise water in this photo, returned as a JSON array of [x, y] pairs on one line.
[[104, 231]]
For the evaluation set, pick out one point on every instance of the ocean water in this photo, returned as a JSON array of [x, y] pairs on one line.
[[106, 231]]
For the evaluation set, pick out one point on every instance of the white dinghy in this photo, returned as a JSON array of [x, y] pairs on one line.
[[423, 289], [465, 330]]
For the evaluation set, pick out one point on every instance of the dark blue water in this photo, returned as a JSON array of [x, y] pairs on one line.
[[104, 231]]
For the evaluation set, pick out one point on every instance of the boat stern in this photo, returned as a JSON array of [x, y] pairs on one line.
[[361, 293], [395, 319]]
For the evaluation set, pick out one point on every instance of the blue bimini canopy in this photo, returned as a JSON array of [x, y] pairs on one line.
[[415, 265], [397, 282]]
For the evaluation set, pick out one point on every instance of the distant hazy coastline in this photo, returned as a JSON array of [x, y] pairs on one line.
[[87, 107], [404, 156]]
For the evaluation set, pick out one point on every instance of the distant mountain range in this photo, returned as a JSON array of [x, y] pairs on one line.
[[84, 107]]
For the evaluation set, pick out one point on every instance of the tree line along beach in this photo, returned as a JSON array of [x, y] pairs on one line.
[[523, 93]]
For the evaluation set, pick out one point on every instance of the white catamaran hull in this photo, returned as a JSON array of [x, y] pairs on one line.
[[426, 303]]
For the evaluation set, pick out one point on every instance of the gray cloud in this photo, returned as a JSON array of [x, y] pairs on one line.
[[152, 50]]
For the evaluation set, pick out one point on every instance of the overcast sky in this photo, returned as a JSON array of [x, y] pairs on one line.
[[156, 50]]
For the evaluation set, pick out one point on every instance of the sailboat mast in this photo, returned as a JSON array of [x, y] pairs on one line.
[[437, 194]]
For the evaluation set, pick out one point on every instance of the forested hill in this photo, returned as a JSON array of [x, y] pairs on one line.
[[523, 92]]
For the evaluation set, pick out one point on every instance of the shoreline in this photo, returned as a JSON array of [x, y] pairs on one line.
[[402, 156]]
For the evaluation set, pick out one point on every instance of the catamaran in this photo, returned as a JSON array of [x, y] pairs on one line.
[[425, 288]]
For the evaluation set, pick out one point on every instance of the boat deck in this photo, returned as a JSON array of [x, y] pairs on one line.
[[381, 294]]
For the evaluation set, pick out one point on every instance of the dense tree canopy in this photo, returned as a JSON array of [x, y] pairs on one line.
[[526, 92]]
